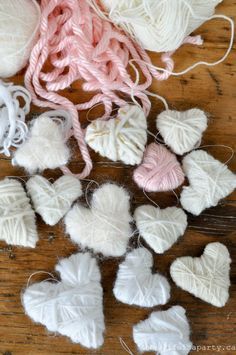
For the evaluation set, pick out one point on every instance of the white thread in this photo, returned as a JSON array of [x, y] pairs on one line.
[[105, 227], [160, 228], [13, 129], [17, 219], [19, 24], [136, 285], [166, 332], [46, 146], [206, 277], [209, 179], [72, 307], [182, 131], [123, 138], [53, 201]]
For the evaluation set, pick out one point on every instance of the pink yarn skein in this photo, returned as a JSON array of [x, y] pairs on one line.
[[159, 171], [78, 44]]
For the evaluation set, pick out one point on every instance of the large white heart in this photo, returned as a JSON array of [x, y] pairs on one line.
[[182, 131], [53, 201], [166, 332], [160, 228], [72, 307], [137, 285], [122, 138], [45, 147], [17, 218], [206, 277], [209, 180], [105, 227]]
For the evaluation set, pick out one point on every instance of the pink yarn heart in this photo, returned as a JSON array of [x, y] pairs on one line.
[[159, 171]]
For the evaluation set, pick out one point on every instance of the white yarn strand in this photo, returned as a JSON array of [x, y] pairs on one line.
[[137, 285], [17, 219]]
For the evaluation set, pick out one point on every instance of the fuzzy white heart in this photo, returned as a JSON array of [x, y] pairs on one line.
[[160, 228], [137, 285], [53, 201], [122, 138], [17, 218], [182, 131], [206, 277], [73, 306], [45, 147], [105, 226], [209, 180], [166, 332]]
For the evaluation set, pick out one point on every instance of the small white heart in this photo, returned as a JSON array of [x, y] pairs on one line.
[[122, 138], [105, 227], [73, 306], [166, 332], [209, 179], [137, 285], [160, 228], [182, 131], [17, 218], [206, 277], [53, 201], [44, 149]]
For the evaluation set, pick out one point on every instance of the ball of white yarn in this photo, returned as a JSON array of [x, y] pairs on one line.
[[19, 23], [182, 131], [160, 26]]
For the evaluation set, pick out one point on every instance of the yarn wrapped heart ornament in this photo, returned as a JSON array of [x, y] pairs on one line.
[[167, 332], [45, 147], [209, 182], [105, 226], [137, 285], [182, 131], [73, 306], [122, 138], [17, 219], [206, 277], [159, 171], [160, 228], [53, 201]]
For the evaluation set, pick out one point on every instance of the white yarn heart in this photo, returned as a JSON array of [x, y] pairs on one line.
[[160, 228], [45, 147], [17, 219], [72, 307], [105, 227], [206, 277], [136, 285], [166, 332], [122, 138], [53, 201], [209, 180], [182, 131]]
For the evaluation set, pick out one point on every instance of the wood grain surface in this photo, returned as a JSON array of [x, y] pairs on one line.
[[211, 89]]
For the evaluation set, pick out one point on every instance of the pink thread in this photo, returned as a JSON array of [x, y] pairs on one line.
[[159, 171]]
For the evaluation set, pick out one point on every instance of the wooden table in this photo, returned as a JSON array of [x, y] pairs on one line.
[[211, 89]]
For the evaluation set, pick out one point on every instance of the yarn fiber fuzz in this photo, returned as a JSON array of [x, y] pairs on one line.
[[137, 285], [105, 225], [209, 182], [17, 219], [166, 332], [53, 201], [160, 228], [182, 131], [159, 170], [45, 147], [19, 24], [73, 306], [206, 277]]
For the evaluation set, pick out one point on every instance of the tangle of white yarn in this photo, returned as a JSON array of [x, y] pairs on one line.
[[13, 129]]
